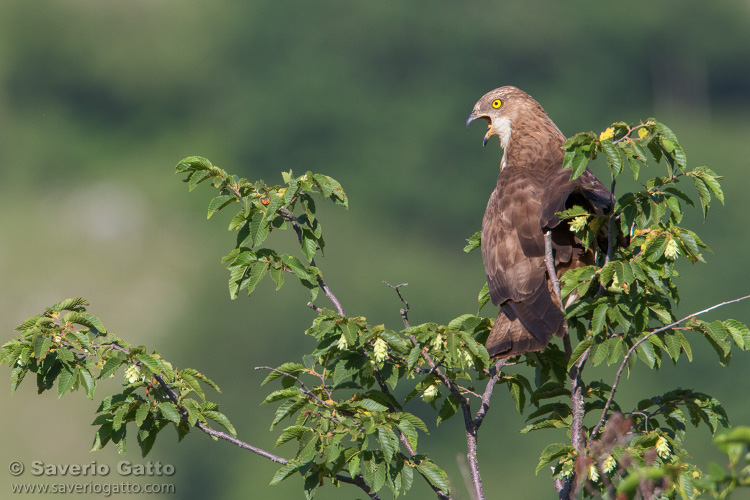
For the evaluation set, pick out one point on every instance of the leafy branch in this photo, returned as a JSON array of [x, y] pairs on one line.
[[346, 417]]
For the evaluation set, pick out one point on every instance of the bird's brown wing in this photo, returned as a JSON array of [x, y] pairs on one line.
[[561, 193], [513, 255], [512, 244]]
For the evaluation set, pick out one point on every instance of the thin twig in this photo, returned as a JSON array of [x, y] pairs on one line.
[[471, 423], [405, 310], [489, 388], [303, 387], [640, 341], [293, 220]]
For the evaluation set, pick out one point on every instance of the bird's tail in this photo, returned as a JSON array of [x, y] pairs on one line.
[[526, 326]]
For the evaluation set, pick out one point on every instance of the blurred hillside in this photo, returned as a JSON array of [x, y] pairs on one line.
[[99, 101]]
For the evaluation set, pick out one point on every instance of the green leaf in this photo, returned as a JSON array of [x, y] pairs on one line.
[[192, 382], [169, 410], [414, 356], [484, 297], [219, 202], [448, 409], [87, 320], [87, 382], [41, 346], [614, 160], [141, 413], [703, 193], [580, 349], [739, 332], [281, 394], [598, 320], [66, 380], [193, 163], [74, 304], [435, 475], [287, 409], [112, 364], [647, 354], [285, 471], [389, 442], [409, 431], [552, 452], [150, 362], [474, 241], [221, 419], [277, 275], [576, 161], [291, 432]]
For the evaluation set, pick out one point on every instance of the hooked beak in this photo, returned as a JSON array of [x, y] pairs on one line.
[[473, 116]]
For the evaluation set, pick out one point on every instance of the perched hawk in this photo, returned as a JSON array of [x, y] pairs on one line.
[[531, 187]]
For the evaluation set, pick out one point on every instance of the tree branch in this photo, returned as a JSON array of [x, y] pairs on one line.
[[640, 341], [303, 387], [578, 440], [405, 310], [357, 480], [293, 220]]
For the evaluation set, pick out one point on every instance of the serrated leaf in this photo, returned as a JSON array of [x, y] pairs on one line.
[[87, 382], [435, 475], [112, 364], [552, 452], [414, 356], [219, 202], [614, 160], [474, 241], [141, 413], [192, 382], [281, 394], [66, 380], [291, 432], [739, 332], [448, 409], [285, 471], [221, 419], [87, 320], [409, 431], [484, 297], [598, 320], [673, 345], [169, 411], [150, 362], [580, 349], [287, 409], [389, 443]]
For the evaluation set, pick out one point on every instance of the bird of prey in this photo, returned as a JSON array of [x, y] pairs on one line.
[[531, 188]]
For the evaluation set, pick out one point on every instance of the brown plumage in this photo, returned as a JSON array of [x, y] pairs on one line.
[[531, 187]]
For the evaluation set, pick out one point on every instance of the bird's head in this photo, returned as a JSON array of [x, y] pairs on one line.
[[504, 109]]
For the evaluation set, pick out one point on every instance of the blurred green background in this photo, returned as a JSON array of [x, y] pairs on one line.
[[99, 100]]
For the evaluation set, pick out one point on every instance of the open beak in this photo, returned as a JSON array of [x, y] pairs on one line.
[[473, 116]]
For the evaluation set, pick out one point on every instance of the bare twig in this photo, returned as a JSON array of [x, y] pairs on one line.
[[640, 341], [489, 388], [405, 310], [471, 422]]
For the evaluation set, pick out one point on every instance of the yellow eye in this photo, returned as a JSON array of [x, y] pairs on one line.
[[497, 103]]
